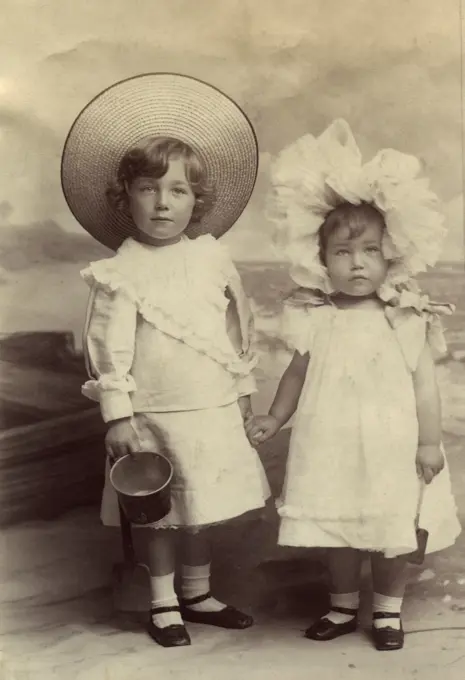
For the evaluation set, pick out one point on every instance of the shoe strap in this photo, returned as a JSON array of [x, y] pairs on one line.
[[344, 610], [386, 615], [196, 600], [164, 610]]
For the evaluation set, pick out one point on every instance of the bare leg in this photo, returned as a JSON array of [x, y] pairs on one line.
[[389, 582], [344, 569], [162, 559], [195, 548], [344, 566], [161, 552], [199, 605], [196, 571], [389, 575]]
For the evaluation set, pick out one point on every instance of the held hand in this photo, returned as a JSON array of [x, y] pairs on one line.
[[429, 461], [121, 439], [261, 428]]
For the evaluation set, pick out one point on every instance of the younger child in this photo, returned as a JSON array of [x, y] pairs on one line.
[[367, 431], [168, 333]]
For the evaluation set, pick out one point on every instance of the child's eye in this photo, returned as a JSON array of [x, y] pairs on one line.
[[147, 188], [180, 191], [373, 249], [342, 252]]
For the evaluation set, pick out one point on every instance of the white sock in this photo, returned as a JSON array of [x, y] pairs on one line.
[[164, 595], [345, 600], [385, 604], [196, 582]]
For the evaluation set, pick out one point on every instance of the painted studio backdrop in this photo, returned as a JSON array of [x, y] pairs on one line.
[[392, 70], [293, 67]]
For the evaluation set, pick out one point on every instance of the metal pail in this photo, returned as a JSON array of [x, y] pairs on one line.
[[142, 482]]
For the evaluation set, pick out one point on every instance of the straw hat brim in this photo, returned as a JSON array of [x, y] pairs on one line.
[[158, 104]]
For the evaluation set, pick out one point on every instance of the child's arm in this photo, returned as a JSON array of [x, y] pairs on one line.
[[285, 402], [245, 405], [246, 384], [430, 460], [109, 339]]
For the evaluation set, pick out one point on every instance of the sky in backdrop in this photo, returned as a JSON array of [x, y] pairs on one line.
[[391, 69]]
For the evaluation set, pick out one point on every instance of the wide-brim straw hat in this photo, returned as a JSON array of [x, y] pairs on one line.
[[165, 105]]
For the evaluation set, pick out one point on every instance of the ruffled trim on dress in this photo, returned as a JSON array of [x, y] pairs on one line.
[[415, 318], [297, 329], [293, 512], [92, 389], [110, 277], [412, 315]]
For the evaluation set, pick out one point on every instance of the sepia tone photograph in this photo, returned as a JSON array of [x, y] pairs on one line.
[[232, 351]]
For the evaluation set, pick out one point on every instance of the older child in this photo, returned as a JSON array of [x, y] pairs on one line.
[[168, 333]]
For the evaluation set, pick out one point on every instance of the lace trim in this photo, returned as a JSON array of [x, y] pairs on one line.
[[107, 275], [404, 304], [293, 512], [92, 389]]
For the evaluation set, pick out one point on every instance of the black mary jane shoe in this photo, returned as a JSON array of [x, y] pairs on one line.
[[228, 617], [175, 635], [387, 639], [324, 629]]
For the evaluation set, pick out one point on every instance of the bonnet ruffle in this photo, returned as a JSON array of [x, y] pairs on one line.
[[314, 175]]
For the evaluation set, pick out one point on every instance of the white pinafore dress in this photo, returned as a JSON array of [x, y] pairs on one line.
[[351, 478]]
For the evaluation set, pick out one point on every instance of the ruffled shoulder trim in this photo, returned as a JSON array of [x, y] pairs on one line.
[[416, 320], [219, 254], [120, 273], [304, 310], [107, 275], [306, 297]]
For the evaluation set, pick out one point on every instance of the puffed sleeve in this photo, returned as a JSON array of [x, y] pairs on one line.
[[413, 330], [296, 329], [303, 312], [109, 339]]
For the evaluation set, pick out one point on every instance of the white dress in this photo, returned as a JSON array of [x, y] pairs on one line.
[[351, 478], [158, 350]]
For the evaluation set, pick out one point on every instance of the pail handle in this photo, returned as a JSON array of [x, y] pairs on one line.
[[126, 537]]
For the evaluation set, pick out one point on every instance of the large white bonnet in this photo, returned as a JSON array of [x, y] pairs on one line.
[[313, 175]]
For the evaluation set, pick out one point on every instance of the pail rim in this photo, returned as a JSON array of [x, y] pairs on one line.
[[150, 493]]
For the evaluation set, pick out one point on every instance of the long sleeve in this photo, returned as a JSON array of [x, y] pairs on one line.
[[240, 329], [109, 339], [245, 385]]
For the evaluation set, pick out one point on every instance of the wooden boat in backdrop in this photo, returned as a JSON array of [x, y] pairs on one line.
[[51, 437]]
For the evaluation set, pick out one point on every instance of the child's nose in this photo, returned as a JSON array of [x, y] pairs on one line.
[[357, 260], [161, 198]]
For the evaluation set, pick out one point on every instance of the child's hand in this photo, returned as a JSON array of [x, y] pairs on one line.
[[121, 439], [261, 428], [429, 461]]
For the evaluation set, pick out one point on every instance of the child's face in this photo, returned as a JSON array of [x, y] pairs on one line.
[[162, 208], [356, 266]]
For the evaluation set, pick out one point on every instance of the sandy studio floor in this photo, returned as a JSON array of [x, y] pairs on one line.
[[58, 618]]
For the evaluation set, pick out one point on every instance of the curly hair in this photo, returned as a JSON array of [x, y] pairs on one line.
[[150, 158]]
